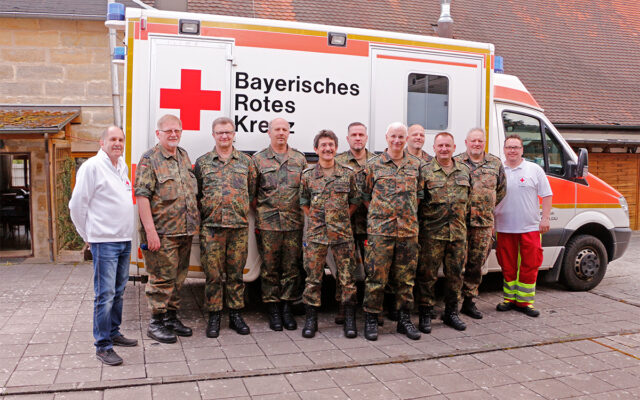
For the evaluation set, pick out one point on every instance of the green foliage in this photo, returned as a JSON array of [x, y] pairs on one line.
[[68, 238]]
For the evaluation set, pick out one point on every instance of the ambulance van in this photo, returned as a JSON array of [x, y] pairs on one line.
[[200, 67]]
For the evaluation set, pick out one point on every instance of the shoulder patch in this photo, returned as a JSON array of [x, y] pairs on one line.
[[148, 153]]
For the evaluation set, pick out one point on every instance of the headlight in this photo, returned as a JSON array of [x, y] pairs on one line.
[[624, 205]]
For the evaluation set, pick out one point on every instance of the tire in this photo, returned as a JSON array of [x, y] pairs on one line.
[[585, 263]]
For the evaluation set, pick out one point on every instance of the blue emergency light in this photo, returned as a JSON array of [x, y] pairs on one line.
[[115, 12], [118, 53], [498, 65]]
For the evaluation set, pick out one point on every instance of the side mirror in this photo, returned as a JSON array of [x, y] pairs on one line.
[[582, 169]]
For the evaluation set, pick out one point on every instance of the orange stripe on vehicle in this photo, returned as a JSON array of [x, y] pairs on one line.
[[457, 64], [598, 194], [287, 41], [509, 94], [133, 181], [162, 28], [564, 191]]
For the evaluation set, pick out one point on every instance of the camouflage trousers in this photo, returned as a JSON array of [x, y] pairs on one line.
[[167, 269], [223, 254], [479, 241], [390, 259], [434, 253], [359, 241], [281, 271], [315, 255]]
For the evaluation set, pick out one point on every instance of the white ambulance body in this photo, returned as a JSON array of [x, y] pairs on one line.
[[200, 67]]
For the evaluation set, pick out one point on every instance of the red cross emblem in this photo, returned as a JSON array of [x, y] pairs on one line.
[[190, 99], [521, 180]]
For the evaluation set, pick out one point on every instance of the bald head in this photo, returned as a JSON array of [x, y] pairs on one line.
[[415, 139]]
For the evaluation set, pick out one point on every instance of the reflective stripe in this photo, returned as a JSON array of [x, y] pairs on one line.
[[521, 299], [527, 285], [521, 288]]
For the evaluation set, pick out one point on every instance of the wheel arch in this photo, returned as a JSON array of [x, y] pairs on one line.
[[601, 233]]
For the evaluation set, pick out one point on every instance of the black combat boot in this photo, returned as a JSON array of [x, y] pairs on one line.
[[339, 319], [370, 326], [237, 323], [172, 322], [288, 321], [157, 330], [406, 326], [450, 317], [469, 308], [213, 326], [350, 329], [425, 319], [275, 318], [310, 322]]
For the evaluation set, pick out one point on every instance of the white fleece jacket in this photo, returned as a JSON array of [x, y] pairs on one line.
[[101, 204]]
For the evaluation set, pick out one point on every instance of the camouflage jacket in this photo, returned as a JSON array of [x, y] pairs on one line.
[[277, 190], [393, 192], [225, 189], [488, 188], [359, 217], [328, 199], [170, 185], [443, 213], [426, 157]]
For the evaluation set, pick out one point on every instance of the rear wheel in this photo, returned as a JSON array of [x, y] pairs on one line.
[[585, 263]]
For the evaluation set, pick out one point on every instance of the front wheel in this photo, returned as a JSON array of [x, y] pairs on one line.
[[585, 263]]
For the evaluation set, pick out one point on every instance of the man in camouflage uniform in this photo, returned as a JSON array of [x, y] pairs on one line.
[[165, 189], [415, 141], [328, 196], [443, 218], [488, 188], [279, 224], [392, 191], [226, 186], [356, 158]]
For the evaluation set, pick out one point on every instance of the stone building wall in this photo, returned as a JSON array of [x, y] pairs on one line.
[[59, 62], [55, 62]]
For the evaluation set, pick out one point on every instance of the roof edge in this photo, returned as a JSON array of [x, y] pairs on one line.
[[50, 129], [53, 16], [598, 127]]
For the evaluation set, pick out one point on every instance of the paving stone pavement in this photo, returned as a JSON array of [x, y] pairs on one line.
[[584, 345]]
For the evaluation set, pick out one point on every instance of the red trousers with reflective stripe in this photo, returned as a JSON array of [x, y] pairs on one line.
[[519, 256]]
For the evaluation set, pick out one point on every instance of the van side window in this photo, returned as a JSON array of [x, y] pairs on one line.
[[428, 101], [530, 130]]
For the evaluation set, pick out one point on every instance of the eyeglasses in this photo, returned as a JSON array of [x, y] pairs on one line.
[[176, 131], [221, 133], [512, 147]]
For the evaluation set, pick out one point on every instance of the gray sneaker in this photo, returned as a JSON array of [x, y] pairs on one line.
[[109, 357]]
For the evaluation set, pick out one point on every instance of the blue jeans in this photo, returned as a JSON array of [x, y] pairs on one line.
[[110, 276]]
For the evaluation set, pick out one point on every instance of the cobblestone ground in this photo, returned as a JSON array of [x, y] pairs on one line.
[[584, 345]]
